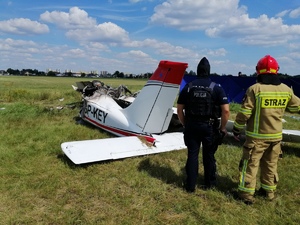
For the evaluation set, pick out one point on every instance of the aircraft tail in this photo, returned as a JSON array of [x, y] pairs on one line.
[[152, 108]]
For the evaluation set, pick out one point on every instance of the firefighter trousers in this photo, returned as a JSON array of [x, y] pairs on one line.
[[257, 154]]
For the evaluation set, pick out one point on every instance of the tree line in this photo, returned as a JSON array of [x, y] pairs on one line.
[[117, 74]]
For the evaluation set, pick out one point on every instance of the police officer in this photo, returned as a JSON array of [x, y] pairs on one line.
[[262, 110], [199, 105]]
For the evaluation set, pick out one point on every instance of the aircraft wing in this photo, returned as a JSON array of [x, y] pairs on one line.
[[291, 136], [87, 151], [287, 135]]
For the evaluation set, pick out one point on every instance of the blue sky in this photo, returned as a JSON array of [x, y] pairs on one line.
[[132, 36]]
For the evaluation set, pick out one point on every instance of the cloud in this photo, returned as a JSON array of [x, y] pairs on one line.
[[96, 47], [217, 52], [162, 48], [136, 53], [106, 32], [75, 53], [75, 19], [211, 27], [22, 26], [195, 15], [246, 29], [137, 57], [283, 13], [29, 54], [295, 13], [294, 46], [9, 44], [226, 19], [20, 53], [257, 31], [82, 28]]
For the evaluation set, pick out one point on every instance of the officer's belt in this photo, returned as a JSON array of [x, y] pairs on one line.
[[199, 119]]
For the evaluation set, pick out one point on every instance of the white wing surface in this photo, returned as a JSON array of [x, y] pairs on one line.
[[287, 135], [80, 152]]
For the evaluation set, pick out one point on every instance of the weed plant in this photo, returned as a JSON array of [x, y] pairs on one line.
[[40, 185]]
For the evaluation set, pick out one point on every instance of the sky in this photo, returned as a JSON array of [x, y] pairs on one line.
[[132, 36]]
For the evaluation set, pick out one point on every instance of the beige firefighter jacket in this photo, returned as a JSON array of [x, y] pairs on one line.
[[263, 108]]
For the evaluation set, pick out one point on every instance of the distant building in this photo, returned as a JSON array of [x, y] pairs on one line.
[[51, 70], [4, 73], [103, 73]]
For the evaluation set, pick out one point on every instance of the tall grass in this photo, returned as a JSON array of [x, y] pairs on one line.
[[39, 185]]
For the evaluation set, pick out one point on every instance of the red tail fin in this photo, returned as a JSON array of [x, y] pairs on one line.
[[151, 111], [178, 69]]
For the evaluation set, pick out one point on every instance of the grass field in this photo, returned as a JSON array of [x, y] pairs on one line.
[[39, 185]]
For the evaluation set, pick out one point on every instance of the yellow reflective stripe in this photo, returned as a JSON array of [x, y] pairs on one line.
[[241, 186], [274, 94], [270, 70], [268, 188], [243, 172], [294, 109], [239, 126], [273, 70], [244, 189], [257, 114], [264, 136], [263, 71], [245, 111]]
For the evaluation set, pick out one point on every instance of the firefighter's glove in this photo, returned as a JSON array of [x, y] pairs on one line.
[[236, 133]]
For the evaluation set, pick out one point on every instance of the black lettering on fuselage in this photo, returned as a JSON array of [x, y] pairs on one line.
[[96, 113]]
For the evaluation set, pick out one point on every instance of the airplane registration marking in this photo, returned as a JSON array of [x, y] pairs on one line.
[[96, 113]]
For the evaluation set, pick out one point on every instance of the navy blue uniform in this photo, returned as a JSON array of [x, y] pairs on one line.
[[201, 130]]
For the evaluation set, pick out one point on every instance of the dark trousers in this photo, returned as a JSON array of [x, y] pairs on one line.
[[196, 133]]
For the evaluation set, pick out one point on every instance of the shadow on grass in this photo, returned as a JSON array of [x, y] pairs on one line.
[[289, 149], [62, 157], [164, 173], [169, 176]]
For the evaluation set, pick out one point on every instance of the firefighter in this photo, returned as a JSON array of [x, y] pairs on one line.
[[199, 106], [262, 110]]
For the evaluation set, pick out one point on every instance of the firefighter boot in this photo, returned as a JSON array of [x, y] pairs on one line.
[[246, 197], [270, 195]]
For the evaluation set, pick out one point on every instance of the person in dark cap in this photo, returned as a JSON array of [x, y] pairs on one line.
[[203, 110], [203, 68]]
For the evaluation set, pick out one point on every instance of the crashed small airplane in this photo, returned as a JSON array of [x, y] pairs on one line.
[[144, 121], [140, 120]]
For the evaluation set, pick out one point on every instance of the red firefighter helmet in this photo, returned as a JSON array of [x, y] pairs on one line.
[[267, 65]]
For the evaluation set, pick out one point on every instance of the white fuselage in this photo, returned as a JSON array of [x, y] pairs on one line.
[[103, 112]]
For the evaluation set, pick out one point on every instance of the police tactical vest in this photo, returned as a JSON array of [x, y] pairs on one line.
[[200, 103]]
